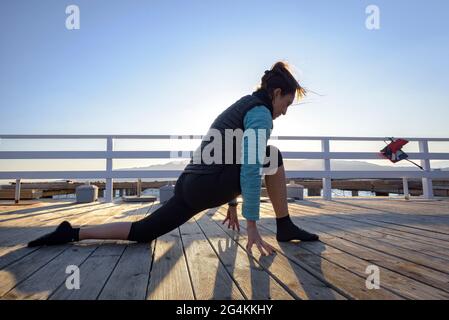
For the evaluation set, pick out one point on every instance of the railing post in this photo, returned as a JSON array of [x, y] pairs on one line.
[[109, 181], [139, 188], [427, 187], [405, 187], [17, 194], [327, 185]]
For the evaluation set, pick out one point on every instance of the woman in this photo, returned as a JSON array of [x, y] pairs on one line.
[[207, 184]]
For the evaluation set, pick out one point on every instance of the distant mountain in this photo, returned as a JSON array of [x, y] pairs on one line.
[[307, 165], [172, 165], [289, 165], [340, 165], [444, 165]]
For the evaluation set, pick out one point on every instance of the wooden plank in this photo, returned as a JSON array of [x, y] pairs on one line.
[[345, 281], [9, 207], [94, 272], [129, 279], [12, 248], [22, 269], [420, 273], [380, 207], [397, 283], [337, 252], [97, 268], [391, 280], [29, 232], [435, 266], [170, 278], [256, 277], [431, 208], [35, 213], [443, 238], [14, 274], [369, 215], [378, 234], [409, 216], [45, 280], [10, 254], [209, 277], [31, 273], [407, 233], [33, 227], [389, 230], [14, 253], [11, 251]]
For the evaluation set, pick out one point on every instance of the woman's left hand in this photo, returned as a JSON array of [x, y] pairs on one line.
[[231, 217]]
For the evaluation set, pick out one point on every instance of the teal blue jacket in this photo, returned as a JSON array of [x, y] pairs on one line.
[[260, 120]]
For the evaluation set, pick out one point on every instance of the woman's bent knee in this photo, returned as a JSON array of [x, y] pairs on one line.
[[273, 158]]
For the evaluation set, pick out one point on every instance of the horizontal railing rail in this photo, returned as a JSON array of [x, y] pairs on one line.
[[327, 174]]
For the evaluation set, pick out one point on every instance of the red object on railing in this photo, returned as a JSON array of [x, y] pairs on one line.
[[393, 151]]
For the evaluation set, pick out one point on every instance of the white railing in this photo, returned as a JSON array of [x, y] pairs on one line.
[[326, 174]]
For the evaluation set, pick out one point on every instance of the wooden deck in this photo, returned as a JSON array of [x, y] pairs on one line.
[[407, 240]]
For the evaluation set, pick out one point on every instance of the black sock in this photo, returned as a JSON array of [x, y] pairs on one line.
[[287, 230], [64, 233]]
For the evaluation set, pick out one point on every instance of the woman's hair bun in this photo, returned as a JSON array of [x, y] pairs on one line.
[[280, 76]]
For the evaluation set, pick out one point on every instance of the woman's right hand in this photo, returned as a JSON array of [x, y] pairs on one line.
[[254, 238]]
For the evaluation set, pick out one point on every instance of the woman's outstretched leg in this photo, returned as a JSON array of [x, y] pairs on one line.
[[169, 216], [115, 230], [66, 233]]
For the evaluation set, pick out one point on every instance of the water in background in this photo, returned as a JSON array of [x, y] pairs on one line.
[[346, 193], [155, 193], [147, 192]]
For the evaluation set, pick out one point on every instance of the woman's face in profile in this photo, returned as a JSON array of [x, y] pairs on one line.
[[281, 102]]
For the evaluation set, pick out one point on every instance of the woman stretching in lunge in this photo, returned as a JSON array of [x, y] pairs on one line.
[[207, 185]]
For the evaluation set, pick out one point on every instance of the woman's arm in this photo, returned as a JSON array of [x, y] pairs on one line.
[[257, 123], [257, 130]]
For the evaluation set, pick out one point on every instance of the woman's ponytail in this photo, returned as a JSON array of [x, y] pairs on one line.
[[280, 76]]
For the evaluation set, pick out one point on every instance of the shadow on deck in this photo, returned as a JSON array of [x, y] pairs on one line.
[[407, 242]]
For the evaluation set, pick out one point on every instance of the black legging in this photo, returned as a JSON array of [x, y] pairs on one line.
[[193, 193]]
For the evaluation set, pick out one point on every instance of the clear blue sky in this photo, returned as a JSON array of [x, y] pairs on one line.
[[145, 67], [169, 67]]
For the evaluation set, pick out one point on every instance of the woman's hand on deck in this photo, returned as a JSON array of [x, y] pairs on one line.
[[254, 238], [232, 219]]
